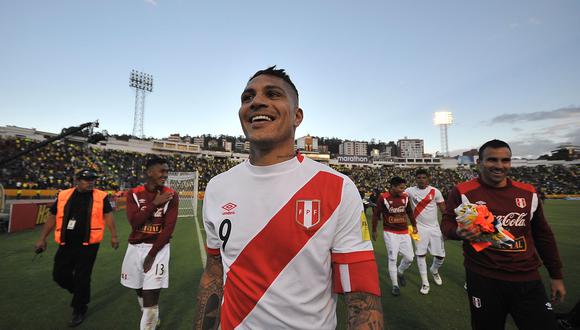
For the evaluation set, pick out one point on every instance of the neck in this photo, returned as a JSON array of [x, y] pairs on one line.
[[151, 186], [268, 156], [500, 184]]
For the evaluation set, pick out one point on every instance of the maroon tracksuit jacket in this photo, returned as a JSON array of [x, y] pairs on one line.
[[519, 210], [151, 224]]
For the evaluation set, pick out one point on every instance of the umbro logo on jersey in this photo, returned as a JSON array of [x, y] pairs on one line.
[[141, 201], [308, 213], [480, 203], [229, 207], [521, 202]]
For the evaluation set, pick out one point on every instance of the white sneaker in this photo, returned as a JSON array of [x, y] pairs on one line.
[[424, 289], [437, 278]]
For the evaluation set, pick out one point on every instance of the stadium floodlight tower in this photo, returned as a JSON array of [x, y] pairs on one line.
[[443, 119], [143, 83]]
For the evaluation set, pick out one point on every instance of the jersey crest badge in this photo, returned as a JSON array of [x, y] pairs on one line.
[[521, 202], [308, 212]]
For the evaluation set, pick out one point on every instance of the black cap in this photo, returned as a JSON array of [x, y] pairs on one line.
[[87, 174]]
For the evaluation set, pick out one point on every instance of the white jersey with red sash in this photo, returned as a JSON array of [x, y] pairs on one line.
[[424, 204], [290, 236]]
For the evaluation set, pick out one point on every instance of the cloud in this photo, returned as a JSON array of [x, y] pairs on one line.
[[562, 113], [536, 144], [152, 2]]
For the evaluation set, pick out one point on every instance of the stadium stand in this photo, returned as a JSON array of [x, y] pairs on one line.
[[53, 167]]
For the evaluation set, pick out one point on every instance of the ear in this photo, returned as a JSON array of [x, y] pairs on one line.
[[298, 116]]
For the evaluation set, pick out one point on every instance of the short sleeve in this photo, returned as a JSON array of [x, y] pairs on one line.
[[352, 226], [107, 208], [213, 243], [439, 197], [353, 261]]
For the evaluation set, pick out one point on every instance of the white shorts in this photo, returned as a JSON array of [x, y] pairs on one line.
[[132, 275], [430, 240], [398, 243]]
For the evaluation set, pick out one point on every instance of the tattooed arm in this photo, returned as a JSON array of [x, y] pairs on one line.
[[364, 311], [209, 297]]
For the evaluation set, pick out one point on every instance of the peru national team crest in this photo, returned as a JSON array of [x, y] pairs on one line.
[[521, 202], [308, 213]]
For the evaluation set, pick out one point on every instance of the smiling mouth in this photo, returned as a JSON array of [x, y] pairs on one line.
[[260, 118]]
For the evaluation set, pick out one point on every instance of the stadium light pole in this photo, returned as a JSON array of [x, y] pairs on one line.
[[143, 83], [443, 119]]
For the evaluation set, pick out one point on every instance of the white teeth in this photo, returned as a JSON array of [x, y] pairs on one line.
[[260, 118]]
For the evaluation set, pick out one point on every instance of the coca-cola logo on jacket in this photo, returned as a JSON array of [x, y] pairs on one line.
[[512, 219]]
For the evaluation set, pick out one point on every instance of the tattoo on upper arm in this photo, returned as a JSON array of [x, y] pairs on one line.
[[364, 311], [210, 295]]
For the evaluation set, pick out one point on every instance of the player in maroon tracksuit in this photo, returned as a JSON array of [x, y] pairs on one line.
[[393, 208], [506, 280], [152, 212]]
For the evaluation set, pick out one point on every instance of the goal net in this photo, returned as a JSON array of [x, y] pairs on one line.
[[185, 184]]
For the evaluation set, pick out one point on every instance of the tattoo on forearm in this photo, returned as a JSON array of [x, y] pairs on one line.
[[209, 296], [364, 311]]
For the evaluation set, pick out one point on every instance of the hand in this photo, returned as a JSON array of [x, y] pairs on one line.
[[40, 246], [162, 198], [558, 291], [414, 230], [114, 242], [468, 234], [148, 263], [374, 235]]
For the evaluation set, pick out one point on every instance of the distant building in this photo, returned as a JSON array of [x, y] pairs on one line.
[[199, 140], [391, 149], [227, 146], [410, 148], [174, 137], [566, 152], [353, 148], [307, 143]]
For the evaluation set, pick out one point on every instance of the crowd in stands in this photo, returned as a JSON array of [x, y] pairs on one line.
[[53, 167]]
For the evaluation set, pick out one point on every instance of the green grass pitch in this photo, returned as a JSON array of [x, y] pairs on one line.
[[31, 300]]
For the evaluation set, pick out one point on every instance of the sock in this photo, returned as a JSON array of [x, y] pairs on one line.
[[422, 263], [405, 263], [392, 264], [140, 300], [436, 265], [149, 318]]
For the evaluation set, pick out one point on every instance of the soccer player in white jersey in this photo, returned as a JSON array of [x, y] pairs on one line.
[[425, 200], [285, 234]]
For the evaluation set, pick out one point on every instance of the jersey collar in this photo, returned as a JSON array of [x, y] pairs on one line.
[[285, 166]]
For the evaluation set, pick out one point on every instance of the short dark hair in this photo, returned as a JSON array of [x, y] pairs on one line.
[[280, 73], [495, 144], [396, 180], [154, 161], [421, 171]]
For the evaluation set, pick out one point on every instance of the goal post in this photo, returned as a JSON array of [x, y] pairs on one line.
[[185, 184]]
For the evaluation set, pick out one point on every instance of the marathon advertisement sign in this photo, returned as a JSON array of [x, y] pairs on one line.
[[26, 215], [353, 159]]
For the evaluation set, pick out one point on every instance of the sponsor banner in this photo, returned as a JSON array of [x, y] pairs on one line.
[[353, 159], [27, 215]]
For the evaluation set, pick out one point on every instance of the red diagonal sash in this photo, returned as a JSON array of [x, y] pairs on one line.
[[268, 253], [423, 203]]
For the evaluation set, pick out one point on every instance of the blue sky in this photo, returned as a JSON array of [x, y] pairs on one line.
[[364, 69]]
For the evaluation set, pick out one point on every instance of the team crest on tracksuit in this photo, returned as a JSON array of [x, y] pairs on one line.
[[308, 212], [521, 202]]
